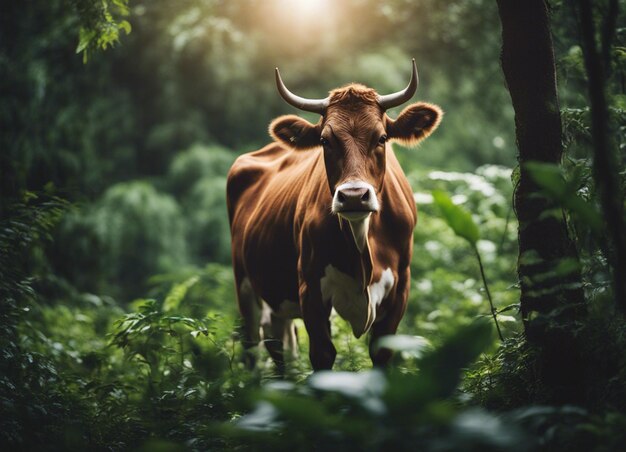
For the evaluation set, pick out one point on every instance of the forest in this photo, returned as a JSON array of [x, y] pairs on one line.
[[119, 326]]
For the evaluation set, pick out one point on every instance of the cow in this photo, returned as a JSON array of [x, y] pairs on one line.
[[323, 218]]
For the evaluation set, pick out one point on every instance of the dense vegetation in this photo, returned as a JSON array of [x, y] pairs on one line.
[[118, 323]]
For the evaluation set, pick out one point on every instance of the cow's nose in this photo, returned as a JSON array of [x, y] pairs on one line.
[[355, 197]]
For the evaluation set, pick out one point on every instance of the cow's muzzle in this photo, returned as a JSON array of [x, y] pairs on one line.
[[355, 200]]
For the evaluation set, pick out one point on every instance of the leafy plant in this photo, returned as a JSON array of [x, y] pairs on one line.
[[102, 23], [157, 335], [371, 410], [565, 192], [142, 234], [463, 225]]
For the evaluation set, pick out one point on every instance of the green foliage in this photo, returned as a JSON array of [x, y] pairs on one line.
[[447, 289], [197, 177], [165, 370], [208, 226], [81, 370], [372, 410], [88, 375], [459, 219], [153, 336], [24, 373], [463, 225], [77, 238], [508, 379], [142, 230], [101, 24], [193, 165], [550, 178]]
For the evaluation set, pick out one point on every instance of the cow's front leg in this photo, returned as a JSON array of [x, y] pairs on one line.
[[316, 316], [389, 324]]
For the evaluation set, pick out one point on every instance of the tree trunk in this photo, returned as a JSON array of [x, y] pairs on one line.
[[529, 70], [605, 162]]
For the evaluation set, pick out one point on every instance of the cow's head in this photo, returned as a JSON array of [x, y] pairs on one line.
[[354, 131]]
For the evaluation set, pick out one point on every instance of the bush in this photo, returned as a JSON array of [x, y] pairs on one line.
[[142, 232], [446, 290], [197, 177], [207, 217], [196, 163]]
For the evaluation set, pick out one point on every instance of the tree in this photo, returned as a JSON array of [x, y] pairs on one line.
[[529, 70], [605, 162]]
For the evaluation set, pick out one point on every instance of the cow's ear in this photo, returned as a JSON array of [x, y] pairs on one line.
[[415, 123], [295, 132]]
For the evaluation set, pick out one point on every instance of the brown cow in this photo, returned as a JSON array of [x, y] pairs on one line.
[[323, 218]]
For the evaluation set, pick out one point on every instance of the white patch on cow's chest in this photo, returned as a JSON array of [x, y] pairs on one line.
[[350, 301], [379, 290]]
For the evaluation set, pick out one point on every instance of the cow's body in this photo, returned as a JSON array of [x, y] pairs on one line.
[[294, 256]]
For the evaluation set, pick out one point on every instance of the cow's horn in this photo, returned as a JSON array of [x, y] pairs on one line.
[[393, 100], [313, 105]]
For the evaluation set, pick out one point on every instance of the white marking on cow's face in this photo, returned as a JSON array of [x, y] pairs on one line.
[[351, 302]]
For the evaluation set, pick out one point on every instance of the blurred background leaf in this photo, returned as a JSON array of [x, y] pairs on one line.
[[459, 219]]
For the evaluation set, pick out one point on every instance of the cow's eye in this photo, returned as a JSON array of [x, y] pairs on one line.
[[323, 141], [382, 139]]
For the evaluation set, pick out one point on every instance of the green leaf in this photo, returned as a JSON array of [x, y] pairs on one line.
[[550, 179], [412, 345], [196, 333], [440, 369], [459, 219], [84, 39], [444, 365], [349, 384], [125, 25]]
